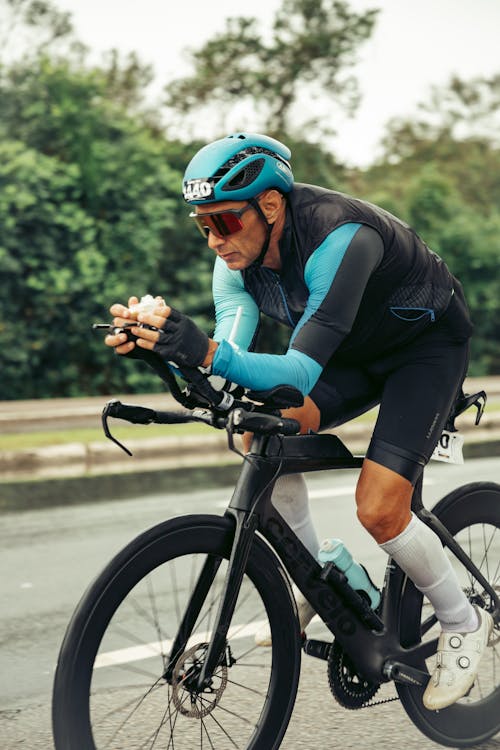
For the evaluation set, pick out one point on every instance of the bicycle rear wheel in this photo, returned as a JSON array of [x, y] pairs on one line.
[[472, 514], [112, 688]]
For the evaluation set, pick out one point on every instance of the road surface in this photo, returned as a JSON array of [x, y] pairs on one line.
[[48, 556]]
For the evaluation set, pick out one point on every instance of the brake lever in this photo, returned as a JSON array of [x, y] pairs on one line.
[[199, 386], [152, 359], [107, 412]]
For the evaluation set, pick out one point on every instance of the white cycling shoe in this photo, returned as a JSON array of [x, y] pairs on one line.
[[305, 613], [458, 658]]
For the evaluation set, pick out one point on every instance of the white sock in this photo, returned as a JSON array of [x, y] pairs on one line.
[[419, 553], [291, 500]]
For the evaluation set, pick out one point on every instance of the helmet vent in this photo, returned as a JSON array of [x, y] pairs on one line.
[[245, 176]]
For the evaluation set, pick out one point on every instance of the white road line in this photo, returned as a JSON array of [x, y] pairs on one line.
[[156, 648]]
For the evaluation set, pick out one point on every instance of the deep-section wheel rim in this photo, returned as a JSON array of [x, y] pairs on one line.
[[119, 641], [472, 514]]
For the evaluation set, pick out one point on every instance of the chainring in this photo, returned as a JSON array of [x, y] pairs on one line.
[[347, 686]]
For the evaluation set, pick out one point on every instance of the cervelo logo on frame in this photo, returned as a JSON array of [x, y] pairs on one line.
[[197, 189]]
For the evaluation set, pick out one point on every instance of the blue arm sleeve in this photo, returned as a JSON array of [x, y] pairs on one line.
[[264, 371], [322, 268], [336, 275], [229, 293]]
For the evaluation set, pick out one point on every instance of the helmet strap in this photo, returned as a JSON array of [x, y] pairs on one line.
[[269, 228]]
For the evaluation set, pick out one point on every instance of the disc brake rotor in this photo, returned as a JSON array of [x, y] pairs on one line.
[[187, 699]]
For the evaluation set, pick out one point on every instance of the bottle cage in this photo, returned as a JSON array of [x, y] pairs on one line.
[[464, 402]]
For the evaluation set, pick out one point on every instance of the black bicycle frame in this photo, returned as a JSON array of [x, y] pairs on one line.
[[371, 649]]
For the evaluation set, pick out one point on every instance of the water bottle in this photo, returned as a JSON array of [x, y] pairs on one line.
[[333, 550]]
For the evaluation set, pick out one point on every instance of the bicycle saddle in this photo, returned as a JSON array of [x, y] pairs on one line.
[[279, 397]]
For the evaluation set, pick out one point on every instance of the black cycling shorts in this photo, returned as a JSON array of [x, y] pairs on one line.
[[416, 387]]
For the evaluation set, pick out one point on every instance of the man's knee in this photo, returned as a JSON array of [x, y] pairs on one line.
[[308, 415], [383, 500]]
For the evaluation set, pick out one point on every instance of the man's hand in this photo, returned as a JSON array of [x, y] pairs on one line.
[[121, 316], [176, 338]]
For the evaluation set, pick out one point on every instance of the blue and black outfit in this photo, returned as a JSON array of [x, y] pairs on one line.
[[376, 317]]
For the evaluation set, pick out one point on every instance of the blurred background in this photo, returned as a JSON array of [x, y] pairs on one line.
[[102, 104]]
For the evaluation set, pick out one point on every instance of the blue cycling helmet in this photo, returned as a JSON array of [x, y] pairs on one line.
[[237, 167]]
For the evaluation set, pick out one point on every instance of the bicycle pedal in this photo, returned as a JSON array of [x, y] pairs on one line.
[[400, 672], [319, 649]]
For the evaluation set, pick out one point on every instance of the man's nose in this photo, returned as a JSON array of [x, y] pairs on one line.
[[214, 242]]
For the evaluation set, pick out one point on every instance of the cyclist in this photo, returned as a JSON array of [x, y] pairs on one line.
[[376, 317]]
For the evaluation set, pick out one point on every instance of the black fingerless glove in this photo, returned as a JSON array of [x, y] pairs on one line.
[[181, 341]]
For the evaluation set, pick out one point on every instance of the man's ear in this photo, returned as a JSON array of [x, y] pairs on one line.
[[271, 203]]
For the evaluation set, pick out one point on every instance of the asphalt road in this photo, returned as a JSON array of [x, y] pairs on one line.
[[48, 556]]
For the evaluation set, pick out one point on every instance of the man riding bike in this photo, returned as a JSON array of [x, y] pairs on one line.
[[376, 317]]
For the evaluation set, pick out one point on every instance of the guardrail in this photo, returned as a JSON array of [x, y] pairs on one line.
[[171, 452], [67, 413]]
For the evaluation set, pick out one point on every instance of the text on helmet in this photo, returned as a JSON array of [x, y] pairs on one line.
[[197, 189]]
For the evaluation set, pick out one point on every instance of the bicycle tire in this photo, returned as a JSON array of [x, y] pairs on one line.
[[472, 514], [87, 705]]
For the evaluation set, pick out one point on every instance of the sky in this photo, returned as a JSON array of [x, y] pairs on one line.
[[416, 44]]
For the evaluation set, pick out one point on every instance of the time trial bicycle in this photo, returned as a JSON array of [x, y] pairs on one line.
[[161, 652]]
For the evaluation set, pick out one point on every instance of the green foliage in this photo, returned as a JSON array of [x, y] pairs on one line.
[[448, 190], [314, 164], [459, 111], [469, 242], [312, 43], [89, 214], [28, 27], [458, 129], [90, 206]]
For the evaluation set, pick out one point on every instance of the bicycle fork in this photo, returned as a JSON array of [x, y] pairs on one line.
[[255, 483], [192, 611], [243, 538], [241, 545]]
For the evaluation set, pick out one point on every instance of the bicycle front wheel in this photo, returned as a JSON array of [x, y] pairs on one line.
[[116, 685], [472, 514]]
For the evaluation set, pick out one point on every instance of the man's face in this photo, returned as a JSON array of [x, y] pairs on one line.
[[241, 249]]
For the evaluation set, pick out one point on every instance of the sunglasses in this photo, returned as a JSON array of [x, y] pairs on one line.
[[220, 223]]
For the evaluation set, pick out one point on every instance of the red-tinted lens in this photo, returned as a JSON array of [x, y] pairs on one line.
[[221, 224]]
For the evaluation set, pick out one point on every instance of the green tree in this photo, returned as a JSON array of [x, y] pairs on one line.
[[441, 172], [470, 245], [434, 202], [89, 214], [30, 27], [458, 128], [312, 45], [462, 110]]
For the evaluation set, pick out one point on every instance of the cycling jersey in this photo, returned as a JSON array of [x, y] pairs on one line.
[[355, 283]]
